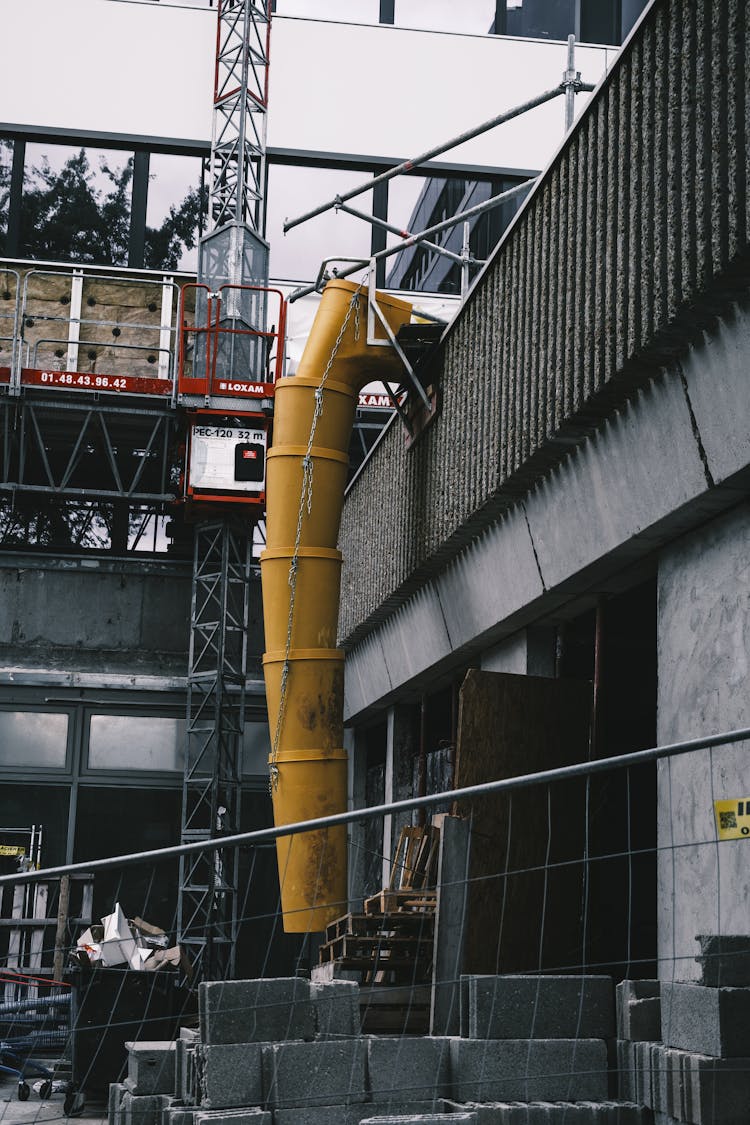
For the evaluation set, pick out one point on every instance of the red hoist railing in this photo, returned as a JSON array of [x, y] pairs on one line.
[[214, 355]]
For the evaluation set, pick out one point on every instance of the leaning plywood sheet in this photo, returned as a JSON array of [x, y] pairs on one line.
[[526, 869]]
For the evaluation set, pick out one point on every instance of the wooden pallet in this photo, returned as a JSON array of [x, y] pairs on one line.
[[380, 958], [371, 923], [390, 901], [391, 942], [415, 862]]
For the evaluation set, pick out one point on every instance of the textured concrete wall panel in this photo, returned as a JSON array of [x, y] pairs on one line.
[[95, 618], [703, 682], [635, 240]]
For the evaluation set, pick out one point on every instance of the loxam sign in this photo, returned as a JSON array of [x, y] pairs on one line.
[[369, 400]]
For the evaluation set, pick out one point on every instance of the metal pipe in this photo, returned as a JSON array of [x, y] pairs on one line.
[[410, 165], [422, 760], [397, 230], [569, 83], [466, 260], [596, 707], [414, 239], [374, 812]]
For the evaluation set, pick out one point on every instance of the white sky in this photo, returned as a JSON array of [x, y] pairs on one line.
[[472, 17], [321, 98]]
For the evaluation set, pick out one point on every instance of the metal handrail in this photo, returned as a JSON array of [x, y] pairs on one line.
[[77, 321], [213, 331], [107, 344], [14, 339], [373, 812]]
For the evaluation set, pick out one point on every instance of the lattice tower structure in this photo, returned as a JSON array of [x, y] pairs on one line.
[[233, 254]]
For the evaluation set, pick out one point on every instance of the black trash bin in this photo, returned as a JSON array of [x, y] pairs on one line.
[[109, 1008]]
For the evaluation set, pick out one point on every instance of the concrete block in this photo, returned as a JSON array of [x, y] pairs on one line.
[[700, 1089], [179, 1115], [557, 1113], [335, 1008], [724, 960], [528, 1069], [298, 1075], [539, 1007], [229, 1075], [324, 974], [638, 1010], [114, 1101], [632, 1081], [143, 1110], [708, 1021], [346, 1114], [408, 1068], [151, 1067], [184, 1070], [422, 1119], [250, 1115], [255, 1011]]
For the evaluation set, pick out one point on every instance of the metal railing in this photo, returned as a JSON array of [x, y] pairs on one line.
[[222, 349]]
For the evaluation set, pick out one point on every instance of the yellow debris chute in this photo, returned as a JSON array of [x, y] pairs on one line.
[[301, 574]]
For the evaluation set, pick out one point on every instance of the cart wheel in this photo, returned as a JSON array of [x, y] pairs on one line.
[[45, 1090], [74, 1104], [23, 1091]]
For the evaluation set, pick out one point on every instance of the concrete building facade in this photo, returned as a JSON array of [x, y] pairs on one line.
[[579, 506]]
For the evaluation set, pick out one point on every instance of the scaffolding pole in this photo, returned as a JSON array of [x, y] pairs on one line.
[[416, 161], [414, 239]]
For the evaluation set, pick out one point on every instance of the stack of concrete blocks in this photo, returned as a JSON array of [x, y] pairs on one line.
[[535, 1050], [693, 1068], [532, 1050]]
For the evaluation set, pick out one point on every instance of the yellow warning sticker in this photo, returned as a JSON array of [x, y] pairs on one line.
[[11, 849], [733, 818]]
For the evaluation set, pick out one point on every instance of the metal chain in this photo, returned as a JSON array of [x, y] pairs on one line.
[[305, 505]]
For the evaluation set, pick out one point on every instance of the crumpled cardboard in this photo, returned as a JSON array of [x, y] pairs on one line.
[[138, 944]]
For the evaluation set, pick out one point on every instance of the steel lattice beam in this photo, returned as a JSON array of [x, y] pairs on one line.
[[217, 672], [238, 146]]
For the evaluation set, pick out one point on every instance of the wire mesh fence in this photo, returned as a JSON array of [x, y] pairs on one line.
[[533, 952]]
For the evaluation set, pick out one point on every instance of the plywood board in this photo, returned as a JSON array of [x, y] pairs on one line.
[[526, 872]]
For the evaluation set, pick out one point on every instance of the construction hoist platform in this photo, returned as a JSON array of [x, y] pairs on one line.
[[231, 352]]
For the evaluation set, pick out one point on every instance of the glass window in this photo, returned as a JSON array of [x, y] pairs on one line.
[[417, 203], [140, 742], [6, 165], [292, 191], [136, 742], [76, 204], [173, 212], [349, 11], [33, 738], [46, 806], [256, 747], [542, 19], [470, 17]]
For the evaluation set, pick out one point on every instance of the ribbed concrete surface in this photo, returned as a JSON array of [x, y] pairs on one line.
[[636, 239]]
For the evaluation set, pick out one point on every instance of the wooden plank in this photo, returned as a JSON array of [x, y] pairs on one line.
[[35, 937], [61, 928], [389, 901], [18, 910], [87, 899], [32, 923], [510, 725]]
